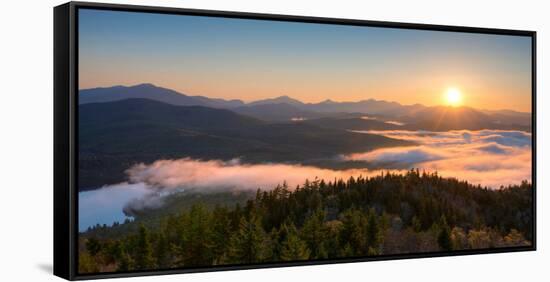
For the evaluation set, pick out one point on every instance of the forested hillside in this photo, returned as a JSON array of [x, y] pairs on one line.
[[321, 219], [115, 136]]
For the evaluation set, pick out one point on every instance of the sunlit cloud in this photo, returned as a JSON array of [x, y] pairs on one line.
[[453, 137], [393, 122], [368, 118], [405, 155], [215, 175], [492, 158]]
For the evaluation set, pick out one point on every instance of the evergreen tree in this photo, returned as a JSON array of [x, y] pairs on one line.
[[293, 248], [247, 245], [196, 245], [144, 250], [373, 232], [126, 263], [93, 246], [162, 252], [314, 233], [221, 227], [332, 239], [444, 237], [113, 252], [353, 231]]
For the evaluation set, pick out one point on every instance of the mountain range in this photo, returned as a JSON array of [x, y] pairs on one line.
[[381, 114], [150, 91]]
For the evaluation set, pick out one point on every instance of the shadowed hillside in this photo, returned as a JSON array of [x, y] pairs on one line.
[[114, 136]]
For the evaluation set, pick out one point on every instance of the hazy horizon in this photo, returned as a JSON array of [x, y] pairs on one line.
[[321, 100], [257, 59]]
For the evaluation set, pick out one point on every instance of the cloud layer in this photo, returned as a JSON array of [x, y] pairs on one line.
[[149, 184], [215, 175], [491, 158], [487, 157]]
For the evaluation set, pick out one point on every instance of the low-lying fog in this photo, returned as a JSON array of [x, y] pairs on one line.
[[491, 158]]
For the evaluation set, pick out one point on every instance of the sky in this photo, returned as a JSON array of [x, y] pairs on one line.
[[254, 59]]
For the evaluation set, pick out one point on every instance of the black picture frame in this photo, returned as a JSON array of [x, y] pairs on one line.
[[66, 132]]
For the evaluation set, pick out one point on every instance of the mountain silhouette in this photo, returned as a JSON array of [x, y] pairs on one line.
[[345, 115], [152, 92]]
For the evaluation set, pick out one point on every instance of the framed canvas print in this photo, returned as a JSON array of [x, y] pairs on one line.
[[193, 140]]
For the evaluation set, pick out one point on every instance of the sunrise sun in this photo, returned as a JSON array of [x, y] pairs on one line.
[[453, 97]]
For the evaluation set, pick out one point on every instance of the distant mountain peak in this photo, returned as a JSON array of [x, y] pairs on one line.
[[147, 84], [283, 97], [278, 100], [152, 92], [328, 101], [286, 98]]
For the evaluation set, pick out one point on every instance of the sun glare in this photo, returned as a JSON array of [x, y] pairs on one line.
[[453, 97]]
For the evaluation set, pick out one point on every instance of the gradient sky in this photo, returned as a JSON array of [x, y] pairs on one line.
[[253, 59]]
